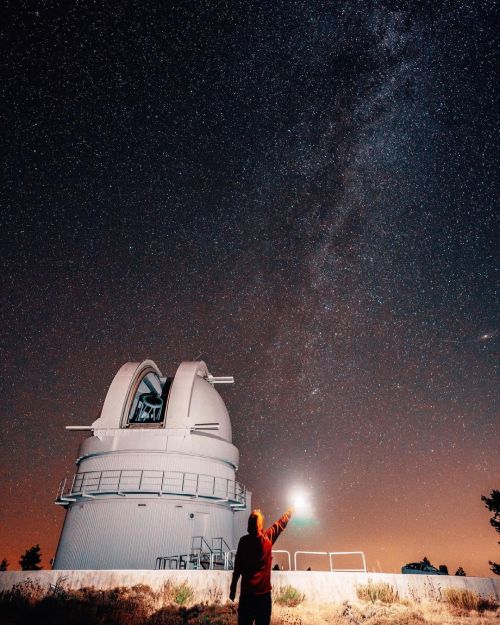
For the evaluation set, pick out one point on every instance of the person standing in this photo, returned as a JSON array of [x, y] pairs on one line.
[[253, 562]]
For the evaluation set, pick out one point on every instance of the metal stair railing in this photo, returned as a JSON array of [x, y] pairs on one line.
[[219, 555], [219, 549], [201, 552], [229, 560]]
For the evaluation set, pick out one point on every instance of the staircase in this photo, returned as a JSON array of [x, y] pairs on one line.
[[203, 556]]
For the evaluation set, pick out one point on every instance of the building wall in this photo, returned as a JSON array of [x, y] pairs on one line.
[[154, 461], [131, 532], [319, 587]]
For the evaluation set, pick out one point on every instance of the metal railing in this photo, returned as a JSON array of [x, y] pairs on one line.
[[288, 554], [202, 556], [220, 554], [347, 553], [165, 562], [330, 555], [200, 559], [311, 553], [125, 481], [219, 545], [229, 558], [199, 545]]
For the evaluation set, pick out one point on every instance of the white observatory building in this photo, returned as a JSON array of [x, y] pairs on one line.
[[155, 485]]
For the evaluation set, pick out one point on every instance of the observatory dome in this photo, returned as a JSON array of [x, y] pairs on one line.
[[155, 483], [207, 406]]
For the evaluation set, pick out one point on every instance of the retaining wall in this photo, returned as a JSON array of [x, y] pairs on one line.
[[318, 586]]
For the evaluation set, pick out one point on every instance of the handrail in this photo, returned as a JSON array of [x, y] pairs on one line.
[[347, 553], [288, 554], [227, 557], [121, 481], [330, 555], [219, 548], [200, 548], [312, 553], [161, 562]]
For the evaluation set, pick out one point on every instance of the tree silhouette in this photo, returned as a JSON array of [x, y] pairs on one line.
[[493, 504], [460, 572], [443, 569], [31, 559], [426, 561], [4, 565]]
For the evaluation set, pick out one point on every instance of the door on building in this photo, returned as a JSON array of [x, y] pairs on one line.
[[200, 541]]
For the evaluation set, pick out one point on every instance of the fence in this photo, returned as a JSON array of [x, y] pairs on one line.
[[330, 555], [121, 482]]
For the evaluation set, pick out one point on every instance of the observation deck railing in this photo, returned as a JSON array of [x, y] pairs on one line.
[[130, 481]]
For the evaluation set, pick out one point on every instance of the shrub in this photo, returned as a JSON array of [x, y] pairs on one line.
[[378, 591], [289, 596], [183, 594], [179, 594], [28, 591], [165, 616], [466, 600], [215, 615], [214, 595]]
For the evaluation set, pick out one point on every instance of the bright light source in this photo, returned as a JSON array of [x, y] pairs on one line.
[[301, 504]]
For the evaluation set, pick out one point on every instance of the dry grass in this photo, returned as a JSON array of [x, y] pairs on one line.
[[465, 600], [377, 591], [29, 603], [347, 613], [288, 596]]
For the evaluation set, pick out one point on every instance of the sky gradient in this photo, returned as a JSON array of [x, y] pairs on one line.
[[301, 194]]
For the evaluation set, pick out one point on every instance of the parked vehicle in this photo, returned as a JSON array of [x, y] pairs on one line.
[[420, 568]]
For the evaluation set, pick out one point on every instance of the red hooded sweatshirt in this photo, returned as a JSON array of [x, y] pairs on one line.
[[254, 558]]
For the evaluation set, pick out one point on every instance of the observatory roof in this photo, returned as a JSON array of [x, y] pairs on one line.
[[140, 397]]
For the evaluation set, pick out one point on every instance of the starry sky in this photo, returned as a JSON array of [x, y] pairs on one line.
[[300, 193]]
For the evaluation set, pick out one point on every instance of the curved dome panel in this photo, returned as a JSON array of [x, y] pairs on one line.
[[207, 407], [121, 393]]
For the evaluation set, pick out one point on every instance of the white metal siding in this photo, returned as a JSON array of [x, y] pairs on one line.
[[121, 534], [157, 462]]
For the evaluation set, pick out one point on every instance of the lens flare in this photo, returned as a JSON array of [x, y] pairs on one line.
[[300, 503]]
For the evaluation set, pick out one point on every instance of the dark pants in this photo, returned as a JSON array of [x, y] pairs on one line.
[[254, 608]]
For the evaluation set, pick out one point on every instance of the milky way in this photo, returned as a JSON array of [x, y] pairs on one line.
[[303, 195]]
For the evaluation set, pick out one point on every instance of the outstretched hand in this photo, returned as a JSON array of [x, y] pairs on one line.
[[290, 511]]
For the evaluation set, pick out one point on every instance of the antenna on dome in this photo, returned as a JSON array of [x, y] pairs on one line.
[[220, 379]]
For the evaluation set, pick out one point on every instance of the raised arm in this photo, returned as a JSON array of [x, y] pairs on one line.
[[276, 528]]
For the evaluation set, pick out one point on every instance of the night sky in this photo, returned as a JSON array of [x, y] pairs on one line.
[[302, 194]]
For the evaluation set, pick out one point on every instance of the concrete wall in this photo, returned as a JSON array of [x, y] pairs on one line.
[[318, 586]]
